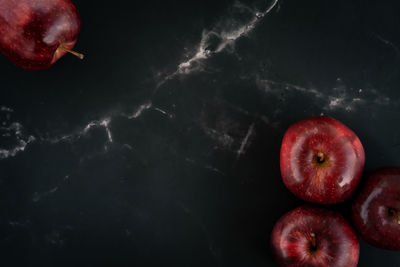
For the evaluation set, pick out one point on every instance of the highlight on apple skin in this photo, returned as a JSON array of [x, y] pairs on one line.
[[376, 210], [308, 236], [321, 160], [34, 34]]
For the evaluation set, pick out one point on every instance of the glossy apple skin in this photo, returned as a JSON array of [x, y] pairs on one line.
[[31, 31], [374, 207], [336, 178], [335, 241]]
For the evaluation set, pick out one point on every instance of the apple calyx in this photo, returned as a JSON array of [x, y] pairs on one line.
[[79, 55], [313, 243], [395, 214]]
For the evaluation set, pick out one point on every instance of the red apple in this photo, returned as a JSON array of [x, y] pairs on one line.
[[376, 211], [34, 34], [321, 160], [310, 236]]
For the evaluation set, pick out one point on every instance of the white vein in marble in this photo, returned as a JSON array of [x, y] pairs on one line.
[[14, 130], [220, 38], [102, 123], [6, 109], [388, 43], [338, 97], [139, 111], [245, 141]]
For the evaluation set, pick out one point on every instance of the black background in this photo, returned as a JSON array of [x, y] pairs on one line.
[[193, 178]]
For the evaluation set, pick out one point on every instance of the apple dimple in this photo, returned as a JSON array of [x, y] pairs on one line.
[[394, 215], [313, 246], [321, 159]]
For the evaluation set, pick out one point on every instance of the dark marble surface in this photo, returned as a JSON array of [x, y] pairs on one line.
[[161, 148]]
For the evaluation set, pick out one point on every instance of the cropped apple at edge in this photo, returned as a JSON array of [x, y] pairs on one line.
[[308, 236], [321, 160], [34, 34], [376, 210]]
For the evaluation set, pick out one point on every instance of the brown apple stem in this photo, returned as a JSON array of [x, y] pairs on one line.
[[313, 241], [79, 55], [320, 157]]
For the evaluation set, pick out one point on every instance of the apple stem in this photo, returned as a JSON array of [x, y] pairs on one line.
[[313, 241], [79, 55], [320, 157]]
